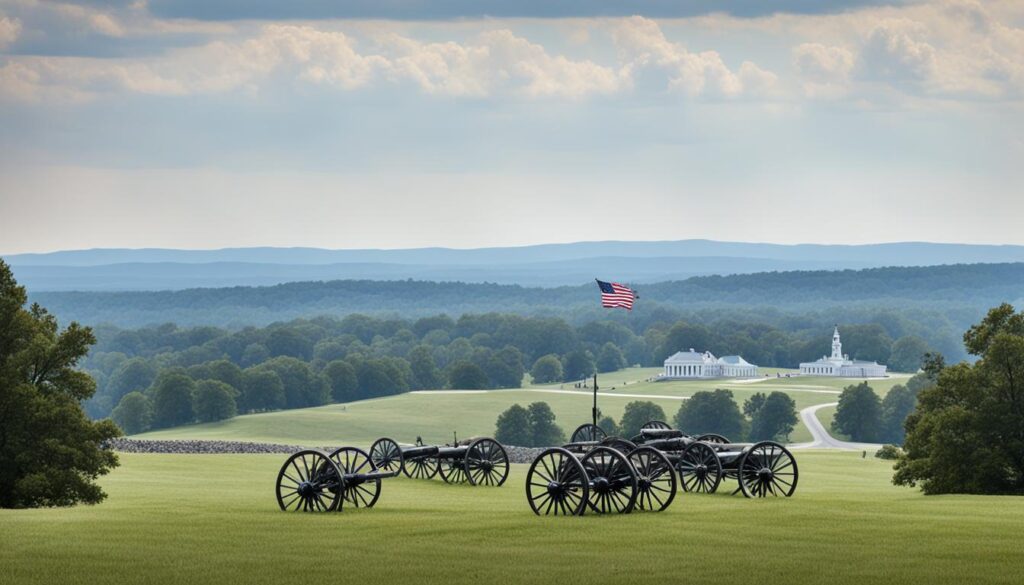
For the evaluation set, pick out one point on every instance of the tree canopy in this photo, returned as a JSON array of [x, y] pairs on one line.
[[711, 412], [859, 413]]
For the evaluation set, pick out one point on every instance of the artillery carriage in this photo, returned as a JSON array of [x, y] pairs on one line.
[[481, 461], [312, 480]]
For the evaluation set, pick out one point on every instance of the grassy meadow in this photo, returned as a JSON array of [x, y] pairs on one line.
[[436, 415], [212, 519]]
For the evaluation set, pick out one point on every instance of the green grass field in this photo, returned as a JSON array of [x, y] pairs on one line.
[[435, 416], [197, 519]]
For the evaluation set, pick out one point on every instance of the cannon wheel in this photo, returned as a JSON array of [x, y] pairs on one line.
[[767, 469], [700, 469], [453, 470], [486, 463], [587, 432], [386, 454], [713, 438], [421, 467], [655, 424], [355, 460], [621, 445], [655, 477], [557, 484], [309, 482], [613, 483]]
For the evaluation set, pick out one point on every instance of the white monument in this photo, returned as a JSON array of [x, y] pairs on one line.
[[840, 365], [693, 365]]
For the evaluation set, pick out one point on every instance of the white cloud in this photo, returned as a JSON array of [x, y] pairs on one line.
[[9, 30], [824, 70]]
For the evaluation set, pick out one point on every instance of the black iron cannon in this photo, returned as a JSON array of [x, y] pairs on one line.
[[315, 481], [481, 461]]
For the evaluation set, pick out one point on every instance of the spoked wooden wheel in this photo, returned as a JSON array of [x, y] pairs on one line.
[[767, 469], [700, 469], [486, 463], [613, 483], [587, 432], [619, 444], [386, 454], [655, 478], [713, 438], [421, 467], [351, 460], [655, 424], [557, 485], [453, 470], [309, 482]]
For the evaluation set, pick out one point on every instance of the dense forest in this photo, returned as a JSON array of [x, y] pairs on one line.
[[167, 375], [958, 294]]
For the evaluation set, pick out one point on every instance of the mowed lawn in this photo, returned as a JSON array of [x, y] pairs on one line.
[[436, 415], [197, 519]]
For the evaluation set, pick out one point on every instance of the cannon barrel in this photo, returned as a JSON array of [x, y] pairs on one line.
[[420, 451], [661, 434]]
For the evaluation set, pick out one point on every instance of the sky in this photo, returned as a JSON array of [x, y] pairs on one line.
[[469, 123]]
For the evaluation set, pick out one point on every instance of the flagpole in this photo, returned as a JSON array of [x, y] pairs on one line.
[[594, 410]]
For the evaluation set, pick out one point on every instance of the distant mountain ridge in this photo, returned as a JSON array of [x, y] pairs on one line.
[[544, 265]]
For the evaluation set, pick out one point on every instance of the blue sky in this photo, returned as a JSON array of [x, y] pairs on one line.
[[398, 124]]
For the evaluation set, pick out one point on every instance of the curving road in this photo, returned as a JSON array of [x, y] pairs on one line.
[[823, 440]]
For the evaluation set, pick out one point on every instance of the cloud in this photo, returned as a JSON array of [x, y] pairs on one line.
[[9, 30], [824, 70]]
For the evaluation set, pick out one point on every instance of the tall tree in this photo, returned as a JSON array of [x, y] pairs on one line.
[[896, 407], [546, 369], [908, 354], [467, 376], [513, 427], [263, 389], [775, 419], [134, 413], [213, 401], [425, 373], [577, 365], [341, 377], [50, 452], [967, 434], [636, 414], [172, 399], [859, 414], [543, 429], [711, 412], [610, 359]]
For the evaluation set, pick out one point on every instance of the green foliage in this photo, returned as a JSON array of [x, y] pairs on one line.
[[214, 400], [546, 369], [505, 368], [341, 377], [134, 414], [711, 412], [774, 419], [681, 337], [859, 414], [467, 376], [753, 404], [302, 387], [172, 399], [543, 430], [50, 453], [908, 353], [609, 426], [896, 407], [577, 365], [636, 414], [610, 359], [967, 434], [513, 427], [889, 452], [135, 374], [425, 372], [263, 389]]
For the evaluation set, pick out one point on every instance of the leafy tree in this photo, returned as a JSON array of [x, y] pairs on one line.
[[50, 452], [577, 365], [341, 377], [424, 369], [636, 414], [546, 369], [609, 426], [896, 407], [214, 400], [908, 353], [134, 374], [467, 376], [711, 412], [172, 399], [775, 418], [263, 389], [134, 413], [287, 342], [505, 368], [610, 359], [754, 403], [543, 429], [967, 433], [302, 387], [254, 354], [513, 427], [859, 414], [683, 336]]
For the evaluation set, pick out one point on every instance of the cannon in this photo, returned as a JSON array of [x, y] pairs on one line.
[[600, 476], [312, 480], [760, 469], [481, 461]]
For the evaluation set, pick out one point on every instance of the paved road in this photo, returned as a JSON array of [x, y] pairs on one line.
[[823, 440]]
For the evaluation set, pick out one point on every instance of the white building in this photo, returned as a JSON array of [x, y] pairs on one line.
[[841, 365], [693, 365]]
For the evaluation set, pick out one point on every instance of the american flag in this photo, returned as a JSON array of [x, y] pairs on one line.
[[615, 295]]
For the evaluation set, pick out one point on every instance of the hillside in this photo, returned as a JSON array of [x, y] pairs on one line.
[[966, 290]]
